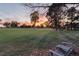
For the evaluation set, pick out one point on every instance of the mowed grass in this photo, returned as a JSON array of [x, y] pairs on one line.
[[29, 41]]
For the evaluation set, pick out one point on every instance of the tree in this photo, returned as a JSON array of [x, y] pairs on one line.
[[7, 24], [55, 12], [34, 17], [14, 24], [73, 15], [0, 20]]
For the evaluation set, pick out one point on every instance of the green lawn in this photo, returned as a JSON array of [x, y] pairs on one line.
[[30, 41]]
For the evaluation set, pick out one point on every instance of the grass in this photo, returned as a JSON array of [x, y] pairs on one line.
[[17, 42]]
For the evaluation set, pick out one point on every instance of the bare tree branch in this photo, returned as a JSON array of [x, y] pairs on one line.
[[37, 5]]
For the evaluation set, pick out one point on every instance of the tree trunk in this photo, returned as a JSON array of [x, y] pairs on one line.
[[56, 24], [34, 24], [72, 25]]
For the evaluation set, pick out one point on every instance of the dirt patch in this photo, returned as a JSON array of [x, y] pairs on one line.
[[39, 52]]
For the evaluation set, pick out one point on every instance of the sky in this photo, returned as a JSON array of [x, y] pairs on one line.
[[17, 11], [14, 11]]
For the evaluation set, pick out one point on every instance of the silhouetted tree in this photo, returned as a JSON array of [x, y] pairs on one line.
[[34, 17], [7, 24], [14, 24], [0, 19], [73, 14], [55, 12]]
